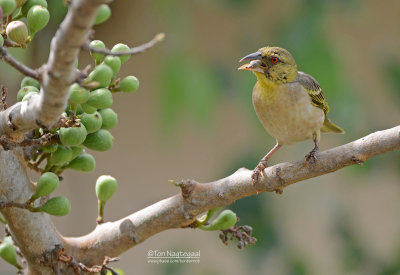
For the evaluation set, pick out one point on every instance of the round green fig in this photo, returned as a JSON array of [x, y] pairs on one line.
[[30, 3], [88, 109], [73, 136], [101, 140], [92, 122], [61, 156], [100, 98], [105, 187], [48, 182], [37, 19], [113, 62], [102, 74], [78, 94], [49, 148], [8, 6], [57, 206], [1, 40], [17, 32], [84, 162], [97, 44], [109, 118], [129, 84], [103, 14], [76, 151], [24, 90], [121, 48], [29, 81], [226, 219], [29, 95], [8, 253]]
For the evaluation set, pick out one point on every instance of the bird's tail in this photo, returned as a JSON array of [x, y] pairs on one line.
[[329, 126]]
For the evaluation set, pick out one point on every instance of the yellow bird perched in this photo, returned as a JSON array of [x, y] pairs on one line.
[[290, 104]]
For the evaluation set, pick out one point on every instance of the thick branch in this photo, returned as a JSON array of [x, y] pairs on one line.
[[56, 76], [113, 238]]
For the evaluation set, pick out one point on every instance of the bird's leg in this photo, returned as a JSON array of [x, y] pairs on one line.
[[263, 164], [312, 156]]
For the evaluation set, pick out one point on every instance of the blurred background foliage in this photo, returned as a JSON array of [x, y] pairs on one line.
[[193, 118]]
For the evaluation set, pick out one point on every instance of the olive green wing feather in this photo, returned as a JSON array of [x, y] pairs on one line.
[[314, 90]]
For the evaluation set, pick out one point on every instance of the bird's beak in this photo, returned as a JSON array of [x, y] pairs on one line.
[[255, 63]]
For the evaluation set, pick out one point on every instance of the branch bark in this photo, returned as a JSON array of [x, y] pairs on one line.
[[113, 238]]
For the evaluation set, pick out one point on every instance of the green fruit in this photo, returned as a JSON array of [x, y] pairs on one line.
[[105, 187], [76, 151], [78, 94], [226, 219], [24, 90], [113, 62], [61, 156], [84, 162], [29, 95], [48, 182], [121, 48], [37, 18], [20, 3], [30, 3], [49, 148], [1, 40], [129, 84], [102, 74], [29, 81], [8, 6], [103, 14], [17, 32], [57, 206], [73, 136], [109, 117], [8, 253], [97, 44], [100, 98], [88, 109], [101, 140], [92, 122]]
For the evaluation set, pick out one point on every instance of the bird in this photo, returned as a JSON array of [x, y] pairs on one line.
[[289, 103]]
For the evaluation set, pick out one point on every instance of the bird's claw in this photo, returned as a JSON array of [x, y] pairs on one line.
[[312, 156], [257, 172]]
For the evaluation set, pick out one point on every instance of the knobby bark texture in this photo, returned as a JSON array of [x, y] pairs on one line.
[[35, 233]]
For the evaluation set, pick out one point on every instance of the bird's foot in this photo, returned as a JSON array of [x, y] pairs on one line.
[[312, 156], [257, 172]]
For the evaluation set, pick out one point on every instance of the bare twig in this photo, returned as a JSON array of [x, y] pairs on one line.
[[4, 92], [18, 65], [46, 139], [132, 51], [113, 238]]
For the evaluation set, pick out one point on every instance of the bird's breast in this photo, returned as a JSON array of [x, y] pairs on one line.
[[286, 112]]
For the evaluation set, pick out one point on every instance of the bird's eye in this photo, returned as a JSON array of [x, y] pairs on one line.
[[274, 59]]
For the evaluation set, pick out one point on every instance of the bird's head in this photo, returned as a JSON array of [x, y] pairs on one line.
[[273, 63]]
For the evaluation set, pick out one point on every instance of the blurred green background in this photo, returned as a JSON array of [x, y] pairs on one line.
[[192, 118]]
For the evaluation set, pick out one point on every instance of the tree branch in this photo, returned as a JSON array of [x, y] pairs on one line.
[[113, 238], [4, 54], [56, 76], [132, 51]]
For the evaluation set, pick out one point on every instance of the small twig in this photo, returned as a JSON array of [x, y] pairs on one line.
[[18, 65], [79, 267], [11, 44], [3, 103], [4, 204], [46, 139], [135, 50]]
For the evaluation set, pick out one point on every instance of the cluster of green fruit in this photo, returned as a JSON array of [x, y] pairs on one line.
[[88, 117], [27, 18]]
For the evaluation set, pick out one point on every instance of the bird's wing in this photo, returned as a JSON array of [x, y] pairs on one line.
[[314, 91]]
